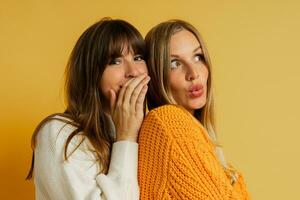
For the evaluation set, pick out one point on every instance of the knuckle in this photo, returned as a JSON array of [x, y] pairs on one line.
[[135, 93], [130, 87]]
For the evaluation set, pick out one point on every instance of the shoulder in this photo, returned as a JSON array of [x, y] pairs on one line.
[[170, 115], [169, 112], [169, 109], [52, 138], [54, 127], [54, 133], [173, 120]]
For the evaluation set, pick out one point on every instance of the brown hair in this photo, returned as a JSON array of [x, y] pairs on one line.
[[159, 93], [96, 47]]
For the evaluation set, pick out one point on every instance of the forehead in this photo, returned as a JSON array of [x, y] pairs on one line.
[[126, 49], [122, 48], [183, 41]]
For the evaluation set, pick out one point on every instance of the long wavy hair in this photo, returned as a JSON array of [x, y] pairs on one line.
[[159, 92], [85, 103]]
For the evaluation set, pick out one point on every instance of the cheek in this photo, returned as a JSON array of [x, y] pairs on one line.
[[172, 78], [112, 78], [143, 68], [204, 74], [176, 84]]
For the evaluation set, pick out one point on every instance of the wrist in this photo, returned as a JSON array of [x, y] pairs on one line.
[[120, 138]]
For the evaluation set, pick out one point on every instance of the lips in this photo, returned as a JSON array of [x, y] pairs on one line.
[[195, 90]]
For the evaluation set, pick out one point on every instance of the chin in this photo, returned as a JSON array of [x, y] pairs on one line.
[[195, 105]]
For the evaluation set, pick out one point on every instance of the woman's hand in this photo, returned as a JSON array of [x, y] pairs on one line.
[[127, 110]]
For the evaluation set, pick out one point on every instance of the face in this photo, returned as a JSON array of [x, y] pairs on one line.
[[188, 71], [120, 70]]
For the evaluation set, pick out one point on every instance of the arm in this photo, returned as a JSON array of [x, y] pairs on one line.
[[175, 152], [78, 178], [122, 173], [154, 154]]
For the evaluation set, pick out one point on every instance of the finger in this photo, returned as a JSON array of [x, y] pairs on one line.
[[131, 87], [139, 106], [138, 90], [120, 99], [113, 98]]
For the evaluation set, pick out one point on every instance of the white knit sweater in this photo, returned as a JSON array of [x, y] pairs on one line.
[[78, 178]]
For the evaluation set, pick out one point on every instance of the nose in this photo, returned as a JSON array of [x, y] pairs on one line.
[[133, 69], [191, 73]]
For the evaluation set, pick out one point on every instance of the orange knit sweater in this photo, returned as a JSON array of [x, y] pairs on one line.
[[177, 160]]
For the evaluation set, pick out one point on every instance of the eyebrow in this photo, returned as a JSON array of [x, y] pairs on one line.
[[196, 49]]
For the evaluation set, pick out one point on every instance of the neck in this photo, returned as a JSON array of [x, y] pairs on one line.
[[192, 111]]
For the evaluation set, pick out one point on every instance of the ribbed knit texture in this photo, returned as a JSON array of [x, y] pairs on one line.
[[177, 160]]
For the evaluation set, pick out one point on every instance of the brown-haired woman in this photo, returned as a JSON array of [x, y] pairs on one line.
[[90, 150], [179, 155]]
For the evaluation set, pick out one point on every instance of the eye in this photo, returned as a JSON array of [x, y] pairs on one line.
[[199, 57], [175, 64], [138, 58], [115, 61]]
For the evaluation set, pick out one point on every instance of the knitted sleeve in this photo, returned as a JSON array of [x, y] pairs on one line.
[[176, 160], [154, 155]]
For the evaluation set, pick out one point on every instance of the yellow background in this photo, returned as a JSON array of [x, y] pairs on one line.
[[254, 46]]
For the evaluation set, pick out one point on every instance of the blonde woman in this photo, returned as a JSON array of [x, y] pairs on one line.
[[179, 155]]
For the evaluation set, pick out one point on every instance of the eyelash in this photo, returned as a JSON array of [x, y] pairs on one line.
[[138, 58], [201, 58], [175, 61], [116, 61]]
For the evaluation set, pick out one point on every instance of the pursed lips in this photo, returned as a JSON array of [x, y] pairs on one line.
[[195, 90]]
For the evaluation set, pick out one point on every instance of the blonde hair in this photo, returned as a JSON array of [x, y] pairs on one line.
[[159, 92]]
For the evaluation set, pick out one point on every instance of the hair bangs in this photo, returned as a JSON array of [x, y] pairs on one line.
[[125, 39]]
